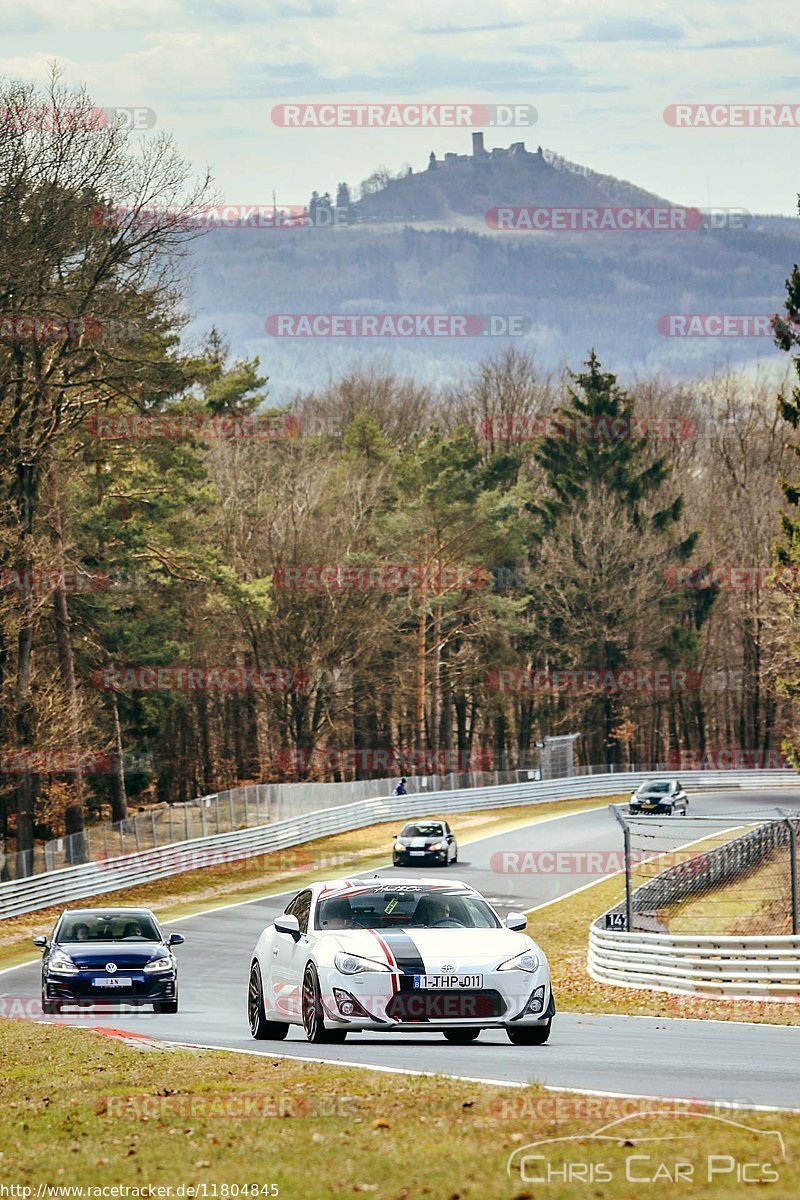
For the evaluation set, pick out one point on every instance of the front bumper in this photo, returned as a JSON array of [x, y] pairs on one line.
[[138, 988], [358, 1002], [406, 858]]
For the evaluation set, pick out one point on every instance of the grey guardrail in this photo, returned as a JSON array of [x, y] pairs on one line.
[[753, 968], [97, 878]]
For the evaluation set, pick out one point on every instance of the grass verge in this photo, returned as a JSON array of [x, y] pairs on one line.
[[82, 1111], [758, 903], [269, 874]]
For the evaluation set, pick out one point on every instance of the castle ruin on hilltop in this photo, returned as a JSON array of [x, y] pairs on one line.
[[480, 155]]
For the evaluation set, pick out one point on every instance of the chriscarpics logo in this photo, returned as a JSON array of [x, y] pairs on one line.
[[690, 1150]]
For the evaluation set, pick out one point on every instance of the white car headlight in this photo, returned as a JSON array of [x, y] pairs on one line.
[[437, 846], [527, 961], [353, 964], [61, 962], [158, 964], [399, 846]]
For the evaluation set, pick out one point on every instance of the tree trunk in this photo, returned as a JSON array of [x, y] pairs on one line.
[[119, 798], [27, 784], [74, 813]]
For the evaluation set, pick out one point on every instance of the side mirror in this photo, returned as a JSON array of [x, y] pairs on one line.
[[41, 941], [176, 939], [516, 921], [288, 923]]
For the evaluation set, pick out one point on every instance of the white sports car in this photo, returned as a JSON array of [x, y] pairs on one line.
[[382, 954]]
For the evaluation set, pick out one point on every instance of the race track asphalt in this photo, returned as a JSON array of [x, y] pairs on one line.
[[686, 1059]]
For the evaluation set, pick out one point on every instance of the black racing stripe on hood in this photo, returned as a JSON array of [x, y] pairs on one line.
[[407, 956]]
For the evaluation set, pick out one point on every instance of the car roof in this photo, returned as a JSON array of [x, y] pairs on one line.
[[107, 910]]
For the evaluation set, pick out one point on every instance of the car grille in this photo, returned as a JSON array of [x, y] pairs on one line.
[[122, 965], [430, 1004]]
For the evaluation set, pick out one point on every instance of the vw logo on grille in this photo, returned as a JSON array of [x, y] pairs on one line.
[[111, 968], [448, 967]]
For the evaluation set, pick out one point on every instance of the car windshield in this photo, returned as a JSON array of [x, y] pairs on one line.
[[654, 787], [398, 906], [422, 830], [108, 927]]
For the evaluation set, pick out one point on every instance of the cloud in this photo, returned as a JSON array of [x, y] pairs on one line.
[[22, 19], [436, 30], [633, 29]]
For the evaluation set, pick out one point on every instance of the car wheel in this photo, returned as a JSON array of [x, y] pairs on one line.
[[165, 1006], [50, 1007], [462, 1036], [313, 1013], [260, 1028], [529, 1035]]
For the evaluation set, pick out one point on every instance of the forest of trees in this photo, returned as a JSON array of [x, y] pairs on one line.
[[383, 573]]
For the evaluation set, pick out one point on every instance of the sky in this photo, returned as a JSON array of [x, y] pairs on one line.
[[599, 77]]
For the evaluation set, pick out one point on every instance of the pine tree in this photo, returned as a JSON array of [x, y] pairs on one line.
[[598, 460]]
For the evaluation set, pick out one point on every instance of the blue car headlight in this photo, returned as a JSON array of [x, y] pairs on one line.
[[62, 963], [157, 965]]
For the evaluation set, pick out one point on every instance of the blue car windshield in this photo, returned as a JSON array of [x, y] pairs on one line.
[[109, 927]]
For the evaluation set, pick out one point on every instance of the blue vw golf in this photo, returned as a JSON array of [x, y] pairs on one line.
[[110, 956]]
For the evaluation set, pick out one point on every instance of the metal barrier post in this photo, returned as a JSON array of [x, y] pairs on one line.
[[792, 868], [627, 842]]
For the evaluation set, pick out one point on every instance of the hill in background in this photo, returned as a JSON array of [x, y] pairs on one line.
[[419, 243]]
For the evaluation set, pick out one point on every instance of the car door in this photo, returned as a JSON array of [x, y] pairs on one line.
[[289, 956], [452, 846]]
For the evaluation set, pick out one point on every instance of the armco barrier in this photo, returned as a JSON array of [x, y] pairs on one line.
[[754, 968], [96, 878]]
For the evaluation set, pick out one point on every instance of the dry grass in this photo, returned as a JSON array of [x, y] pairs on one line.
[[82, 1110]]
